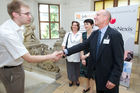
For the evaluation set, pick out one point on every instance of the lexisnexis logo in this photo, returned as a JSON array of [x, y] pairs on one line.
[[120, 28]]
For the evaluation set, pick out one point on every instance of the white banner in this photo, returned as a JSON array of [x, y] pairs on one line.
[[126, 18], [81, 16]]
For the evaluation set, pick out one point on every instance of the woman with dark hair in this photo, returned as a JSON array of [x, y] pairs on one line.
[[73, 61], [86, 66]]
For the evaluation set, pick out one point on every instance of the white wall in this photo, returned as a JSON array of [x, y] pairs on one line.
[[75, 6], [3, 10]]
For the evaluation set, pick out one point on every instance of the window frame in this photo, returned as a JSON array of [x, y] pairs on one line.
[[49, 20]]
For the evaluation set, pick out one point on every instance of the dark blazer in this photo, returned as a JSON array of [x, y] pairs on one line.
[[108, 64]]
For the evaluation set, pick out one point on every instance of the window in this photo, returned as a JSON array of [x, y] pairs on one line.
[[122, 2], [49, 21], [108, 4], [98, 5], [103, 4]]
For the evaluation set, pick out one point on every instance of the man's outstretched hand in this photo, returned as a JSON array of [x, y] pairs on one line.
[[56, 56]]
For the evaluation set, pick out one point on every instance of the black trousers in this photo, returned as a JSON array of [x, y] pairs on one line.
[[114, 90]]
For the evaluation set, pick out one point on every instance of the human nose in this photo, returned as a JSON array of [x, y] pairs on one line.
[[95, 17], [30, 16]]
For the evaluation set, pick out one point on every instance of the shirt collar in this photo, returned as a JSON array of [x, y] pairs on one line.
[[15, 26], [103, 30]]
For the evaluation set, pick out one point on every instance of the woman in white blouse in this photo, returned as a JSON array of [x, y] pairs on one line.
[[73, 61]]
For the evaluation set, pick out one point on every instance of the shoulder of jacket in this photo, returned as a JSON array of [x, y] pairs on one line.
[[114, 32]]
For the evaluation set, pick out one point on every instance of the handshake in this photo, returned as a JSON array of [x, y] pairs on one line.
[[55, 56]]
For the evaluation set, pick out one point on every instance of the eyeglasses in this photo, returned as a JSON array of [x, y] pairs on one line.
[[27, 13]]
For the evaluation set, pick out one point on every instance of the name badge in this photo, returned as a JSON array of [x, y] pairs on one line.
[[106, 41]]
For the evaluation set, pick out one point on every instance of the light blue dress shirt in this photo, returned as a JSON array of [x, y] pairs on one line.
[[103, 30]]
